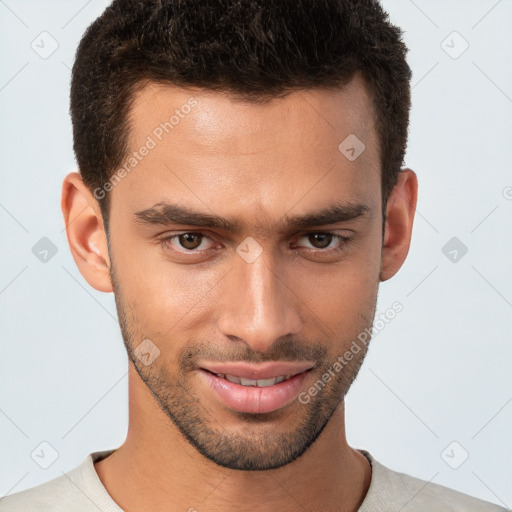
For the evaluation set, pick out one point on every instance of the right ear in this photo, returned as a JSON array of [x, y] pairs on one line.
[[86, 232]]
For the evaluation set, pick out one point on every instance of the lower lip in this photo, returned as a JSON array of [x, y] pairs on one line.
[[254, 399]]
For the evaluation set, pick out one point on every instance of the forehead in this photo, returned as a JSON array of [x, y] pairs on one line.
[[212, 148], [218, 122]]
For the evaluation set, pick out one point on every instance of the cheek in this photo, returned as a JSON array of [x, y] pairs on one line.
[[165, 297], [342, 305], [342, 297], [168, 298]]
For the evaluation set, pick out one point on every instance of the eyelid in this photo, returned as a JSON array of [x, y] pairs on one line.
[[342, 238], [167, 239]]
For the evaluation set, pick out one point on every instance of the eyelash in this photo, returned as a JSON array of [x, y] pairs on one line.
[[344, 240]]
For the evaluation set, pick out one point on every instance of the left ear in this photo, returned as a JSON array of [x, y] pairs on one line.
[[401, 208]]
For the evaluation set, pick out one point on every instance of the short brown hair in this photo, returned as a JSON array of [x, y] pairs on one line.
[[253, 49]]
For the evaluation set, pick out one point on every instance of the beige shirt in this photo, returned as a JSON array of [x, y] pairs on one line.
[[81, 490]]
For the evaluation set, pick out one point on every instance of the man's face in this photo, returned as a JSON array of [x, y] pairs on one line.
[[213, 296]]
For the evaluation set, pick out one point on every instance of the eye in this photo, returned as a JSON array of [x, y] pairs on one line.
[[192, 242], [323, 240], [198, 243]]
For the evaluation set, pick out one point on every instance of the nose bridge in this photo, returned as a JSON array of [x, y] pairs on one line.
[[257, 305]]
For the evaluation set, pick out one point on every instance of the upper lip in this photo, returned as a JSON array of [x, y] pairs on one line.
[[267, 370]]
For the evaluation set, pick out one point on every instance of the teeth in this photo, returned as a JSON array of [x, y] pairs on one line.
[[248, 382], [233, 379], [261, 383]]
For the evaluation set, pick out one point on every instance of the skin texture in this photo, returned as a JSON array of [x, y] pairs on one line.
[[255, 164]]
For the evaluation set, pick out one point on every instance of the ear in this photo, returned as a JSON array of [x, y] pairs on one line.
[[86, 233], [401, 208]]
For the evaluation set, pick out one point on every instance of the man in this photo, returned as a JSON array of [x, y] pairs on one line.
[[240, 192]]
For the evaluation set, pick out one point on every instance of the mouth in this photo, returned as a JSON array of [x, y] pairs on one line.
[[260, 383], [255, 389]]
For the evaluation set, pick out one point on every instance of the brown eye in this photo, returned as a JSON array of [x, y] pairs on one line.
[[320, 240], [323, 242], [190, 240]]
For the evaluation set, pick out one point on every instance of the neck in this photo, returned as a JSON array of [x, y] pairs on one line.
[[157, 469]]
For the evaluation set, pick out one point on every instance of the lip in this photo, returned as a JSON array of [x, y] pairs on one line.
[[256, 371], [252, 399]]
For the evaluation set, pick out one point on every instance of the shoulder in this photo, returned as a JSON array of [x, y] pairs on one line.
[[79, 490], [55, 495], [392, 491]]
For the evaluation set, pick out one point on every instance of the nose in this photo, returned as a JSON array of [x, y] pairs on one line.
[[257, 305]]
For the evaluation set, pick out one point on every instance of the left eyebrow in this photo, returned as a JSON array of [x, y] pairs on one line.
[[330, 215], [167, 213]]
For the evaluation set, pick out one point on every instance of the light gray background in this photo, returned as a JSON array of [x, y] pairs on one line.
[[438, 373]]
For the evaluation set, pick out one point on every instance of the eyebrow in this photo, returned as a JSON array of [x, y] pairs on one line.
[[167, 213]]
